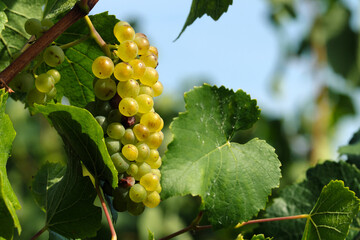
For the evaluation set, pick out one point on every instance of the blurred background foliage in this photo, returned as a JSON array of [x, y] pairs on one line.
[[331, 44]]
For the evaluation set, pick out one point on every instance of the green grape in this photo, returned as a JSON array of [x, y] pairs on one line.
[[133, 169], [159, 188], [128, 107], [115, 130], [142, 43], [112, 145], [143, 151], [157, 88], [146, 90], [23, 82], [152, 120], [123, 71], [145, 103], [152, 199], [150, 76], [52, 94], [44, 83], [123, 31], [102, 108], [150, 60], [129, 137], [138, 67], [34, 96], [127, 50], [141, 132], [46, 24], [120, 163], [105, 89], [53, 56], [33, 26], [114, 116], [55, 74], [121, 198], [153, 156], [102, 122], [102, 67], [153, 50], [154, 140], [137, 193], [130, 88], [156, 172], [135, 209], [130, 151], [143, 168], [149, 181], [156, 164]]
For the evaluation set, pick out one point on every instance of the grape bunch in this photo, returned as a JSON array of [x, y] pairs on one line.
[[124, 88]]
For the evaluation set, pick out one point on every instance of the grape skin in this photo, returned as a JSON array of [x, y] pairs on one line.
[[102, 67], [53, 56], [137, 193], [105, 89], [149, 181]]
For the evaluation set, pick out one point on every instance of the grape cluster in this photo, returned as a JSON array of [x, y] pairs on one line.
[[124, 88], [41, 88]]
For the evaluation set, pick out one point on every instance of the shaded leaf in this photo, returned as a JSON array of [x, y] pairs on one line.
[[8, 201], [232, 179], [83, 135], [352, 150], [54, 8]]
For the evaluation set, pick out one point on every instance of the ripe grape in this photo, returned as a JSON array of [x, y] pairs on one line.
[[142, 43], [123, 31], [123, 71], [154, 155], [55, 74], [137, 193], [150, 60], [152, 199], [159, 188], [156, 164], [146, 90], [156, 172], [34, 96], [143, 152], [120, 163], [129, 137], [150, 76], [157, 88], [33, 26], [143, 169], [102, 67], [130, 88], [128, 107], [53, 56], [149, 181], [153, 50], [112, 145], [145, 102], [115, 130], [141, 132], [127, 50], [133, 169], [152, 120], [154, 140], [138, 67], [130, 151], [105, 89], [44, 83]]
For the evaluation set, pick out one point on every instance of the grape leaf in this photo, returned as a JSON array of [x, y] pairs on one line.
[[67, 199], [332, 214], [55, 7], [151, 235], [8, 200], [3, 17], [300, 198], [212, 8], [83, 135], [233, 180], [13, 37]]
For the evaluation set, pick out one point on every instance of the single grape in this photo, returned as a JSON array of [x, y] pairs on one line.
[[153, 156], [127, 50], [102, 122], [150, 76], [133, 169], [33, 26], [145, 103], [152, 199], [105, 89], [153, 50], [135, 209], [143, 151], [123, 71], [130, 88], [150, 60], [157, 88], [130, 151], [152, 120], [142, 43], [115, 130], [114, 116], [23, 82], [143, 169], [46, 24], [128, 107], [53, 56], [138, 67], [156, 164], [137, 193], [44, 83], [146, 90], [129, 137], [102, 67], [55, 74], [159, 188], [120, 163], [141, 132], [154, 140], [149, 181], [123, 31], [112, 145], [156, 172], [34, 96], [52, 94]]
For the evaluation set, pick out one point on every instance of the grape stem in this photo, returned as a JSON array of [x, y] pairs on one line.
[[76, 13], [96, 36], [103, 205], [39, 233], [73, 43], [195, 227]]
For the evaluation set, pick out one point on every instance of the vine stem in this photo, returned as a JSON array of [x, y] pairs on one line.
[[272, 219], [103, 205], [49, 36], [96, 36], [39, 233]]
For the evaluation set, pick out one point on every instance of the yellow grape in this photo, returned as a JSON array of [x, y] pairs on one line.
[[146, 90], [152, 120], [123, 71], [130, 88], [123, 31], [145, 103], [152, 199], [155, 165], [154, 140], [141, 132], [142, 43], [138, 67], [153, 50], [150, 181], [127, 50], [150, 76], [102, 67], [150, 60], [105, 89], [157, 88], [137, 193], [128, 106], [130, 151]]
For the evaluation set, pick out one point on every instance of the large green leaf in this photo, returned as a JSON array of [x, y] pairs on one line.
[[300, 198], [55, 7], [3, 17], [212, 8], [8, 200], [233, 180], [13, 37], [67, 199], [83, 135], [332, 214]]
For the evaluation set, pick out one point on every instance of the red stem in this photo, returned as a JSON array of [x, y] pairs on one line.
[[39, 233]]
